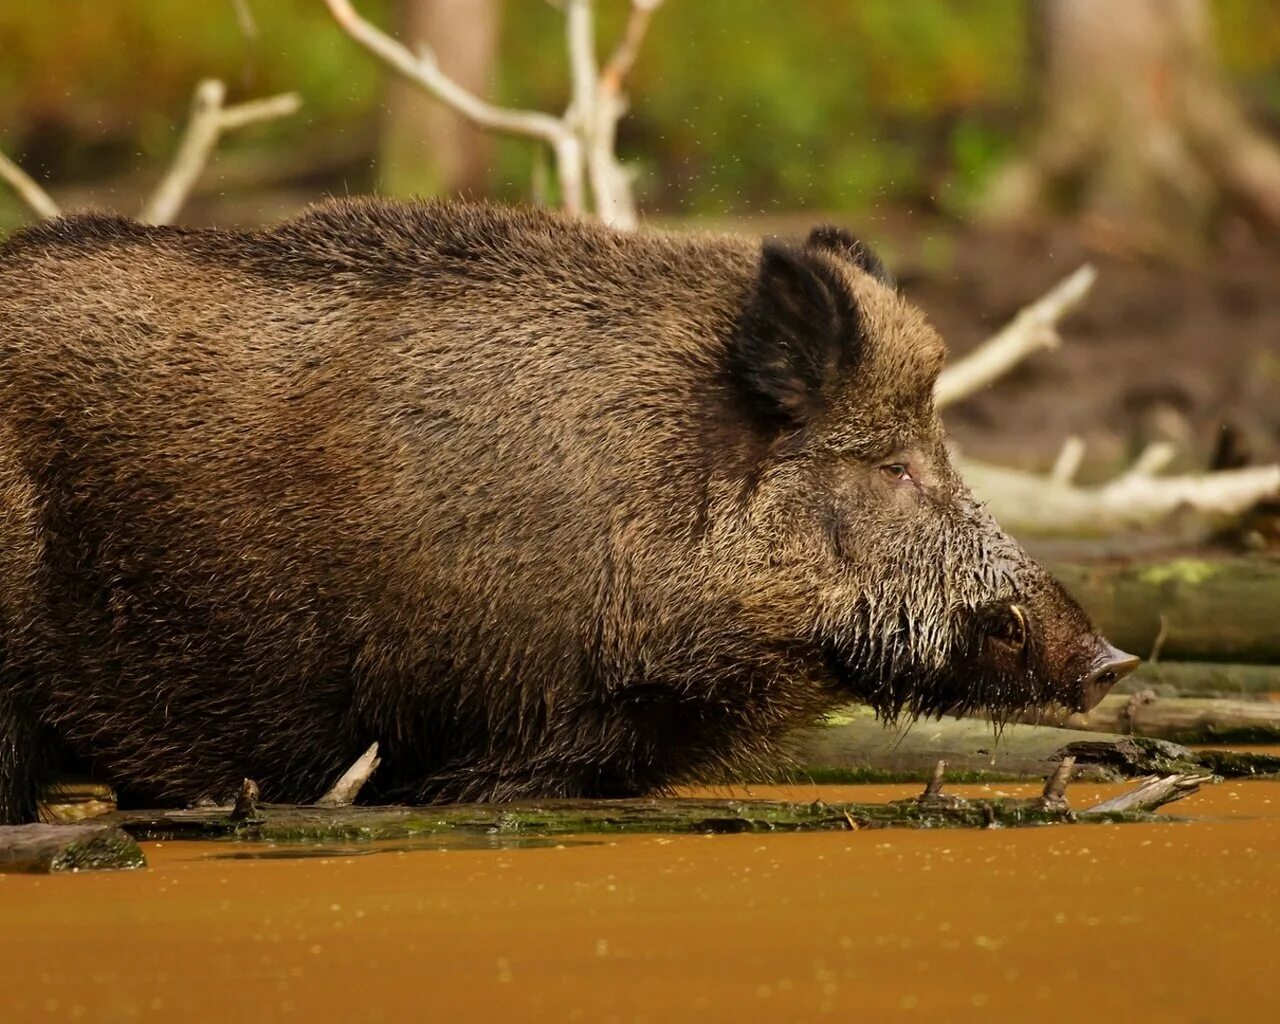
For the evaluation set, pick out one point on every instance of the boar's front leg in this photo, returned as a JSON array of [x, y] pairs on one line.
[[21, 762]]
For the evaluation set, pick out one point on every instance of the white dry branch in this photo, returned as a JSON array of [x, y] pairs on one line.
[[1031, 503], [210, 118], [1033, 329], [582, 140], [37, 199], [1054, 503], [343, 793]]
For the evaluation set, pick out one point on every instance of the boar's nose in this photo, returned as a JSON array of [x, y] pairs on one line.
[[1110, 666]]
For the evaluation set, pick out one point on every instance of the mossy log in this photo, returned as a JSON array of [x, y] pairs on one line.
[[44, 849], [1198, 609], [1179, 719], [558, 818], [853, 746], [1204, 679]]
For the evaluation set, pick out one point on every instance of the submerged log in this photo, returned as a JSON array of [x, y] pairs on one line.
[[1179, 719], [1200, 609], [45, 849], [552, 818], [853, 746]]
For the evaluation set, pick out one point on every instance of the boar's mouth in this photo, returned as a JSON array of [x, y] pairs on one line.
[[1000, 667]]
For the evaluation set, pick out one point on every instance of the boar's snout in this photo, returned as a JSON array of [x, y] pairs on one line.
[[1110, 665]]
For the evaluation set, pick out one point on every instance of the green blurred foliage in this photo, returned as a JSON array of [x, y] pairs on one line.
[[738, 105]]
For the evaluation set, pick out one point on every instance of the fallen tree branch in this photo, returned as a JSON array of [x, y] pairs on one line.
[[45, 849], [36, 198], [1033, 329], [1033, 503], [853, 746], [1154, 792], [1178, 719], [344, 792], [209, 120], [540, 819]]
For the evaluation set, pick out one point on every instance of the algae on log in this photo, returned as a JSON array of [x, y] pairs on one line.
[[1200, 609], [854, 746], [290, 823], [44, 849], [1179, 719]]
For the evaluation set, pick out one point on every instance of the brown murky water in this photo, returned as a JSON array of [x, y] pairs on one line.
[[1165, 922]]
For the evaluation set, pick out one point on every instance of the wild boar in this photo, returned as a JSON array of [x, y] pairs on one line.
[[544, 508]]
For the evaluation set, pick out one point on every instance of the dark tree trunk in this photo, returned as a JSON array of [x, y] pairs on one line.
[[1137, 134]]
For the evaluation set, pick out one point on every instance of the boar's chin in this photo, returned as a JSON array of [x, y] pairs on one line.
[[901, 689]]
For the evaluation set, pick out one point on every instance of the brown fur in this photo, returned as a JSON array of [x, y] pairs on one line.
[[541, 507]]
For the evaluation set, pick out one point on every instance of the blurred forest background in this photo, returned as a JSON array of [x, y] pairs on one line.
[[903, 121]]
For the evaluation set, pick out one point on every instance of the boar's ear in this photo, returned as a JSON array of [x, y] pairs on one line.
[[841, 243], [798, 332]]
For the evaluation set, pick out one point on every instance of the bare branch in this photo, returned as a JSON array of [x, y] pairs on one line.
[[343, 792], [1067, 464], [580, 41], [424, 69], [1033, 503], [1152, 459], [623, 59], [1152, 792], [1032, 329], [254, 111], [37, 199], [1054, 797], [209, 119]]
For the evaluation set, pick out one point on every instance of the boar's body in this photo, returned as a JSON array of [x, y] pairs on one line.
[[486, 486]]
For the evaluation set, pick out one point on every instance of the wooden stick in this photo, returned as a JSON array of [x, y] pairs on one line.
[[246, 808], [424, 69], [36, 198], [1054, 797], [933, 788], [208, 120], [1151, 793], [343, 793], [1037, 504], [1033, 329]]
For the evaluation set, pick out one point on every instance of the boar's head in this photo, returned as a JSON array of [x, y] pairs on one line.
[[874, 551]]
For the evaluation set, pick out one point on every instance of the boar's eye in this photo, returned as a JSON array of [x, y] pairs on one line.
[[896, 471]]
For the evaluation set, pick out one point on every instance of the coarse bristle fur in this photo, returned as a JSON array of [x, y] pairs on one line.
[[544, 508]]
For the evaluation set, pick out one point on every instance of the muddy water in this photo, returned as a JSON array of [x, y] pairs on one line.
[[1165, 922]]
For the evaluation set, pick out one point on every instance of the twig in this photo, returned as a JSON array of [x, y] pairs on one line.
[[1067, 464], [346, 789], [1054, 797], [623, 58], [209, 119], [933, 788], [246, 808], [1034, 328], [424, 69], [1151, 792], [1151, 460], [36, 198]]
